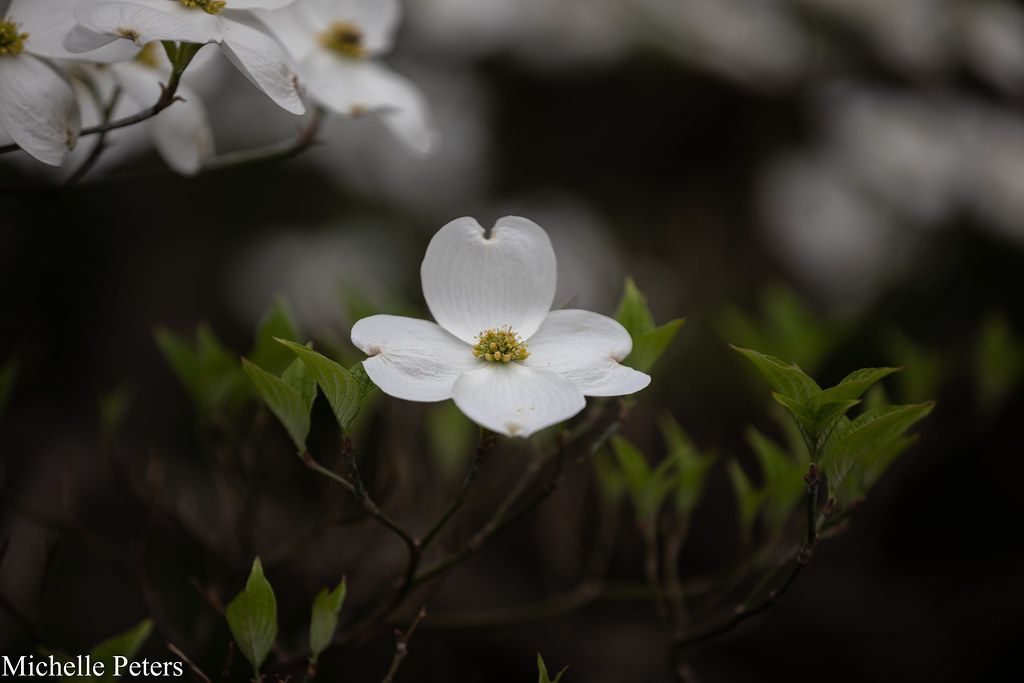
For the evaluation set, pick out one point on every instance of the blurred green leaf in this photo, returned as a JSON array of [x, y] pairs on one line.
[[112, 407], [543, 671], [783, 480], [852, 387], [647, 487], [633, 313], [787, 379], [853, 442], [324, 619], [648, 346], [252, 618], [208, 371], [998, 362], [266, 353], [611, 482], [748, 499], [8, 374], [450, 437], [924, 370], [125, 645], [291, 409], [345, 390], [691, 466]]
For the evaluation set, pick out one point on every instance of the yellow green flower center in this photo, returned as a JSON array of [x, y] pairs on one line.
[[12, 41], [208, 6], [344, 38], [149, 55], [500, 346]]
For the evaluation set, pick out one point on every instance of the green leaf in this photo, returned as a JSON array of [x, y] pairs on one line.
[[998, 362], [611, 481], [346, 390], [208, 371], [8, 374], [266, 352], [324, 620], [787, 379], [125, 645], [112, 407], [649, 346], [748, 499], [852, 387], [783, 480], [633, 313], [450, 437], [252, 617], [648, 488], [691, 466], [855, 442], [543, 670], [291, 409]]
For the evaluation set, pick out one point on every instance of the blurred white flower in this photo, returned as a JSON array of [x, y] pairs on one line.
[[38, 109], [336, 44], [181, 133], [510, 363], [234, 26], [992, 34]]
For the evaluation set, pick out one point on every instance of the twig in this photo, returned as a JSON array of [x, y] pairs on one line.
[[484, 446], [402, 646], [100, 145], [188, 662]]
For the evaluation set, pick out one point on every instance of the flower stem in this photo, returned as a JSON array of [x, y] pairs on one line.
[[100, 145], [402, 646], [483, 447]]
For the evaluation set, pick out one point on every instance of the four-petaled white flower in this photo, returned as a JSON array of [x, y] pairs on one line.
[[38, 109], [336, 43], [230, 23], [511, 364]]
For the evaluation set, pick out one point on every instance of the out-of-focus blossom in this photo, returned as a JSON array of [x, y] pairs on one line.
[[750, 40], [38, 109], [993, 42], [337, 44], [244, 39], [181, 133], [842, 245], [510, 363], [317, 272]]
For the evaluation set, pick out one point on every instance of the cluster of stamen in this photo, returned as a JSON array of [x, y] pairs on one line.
[[343, 38], [12, 41], [149, 55], [208, 6], [500, 346]]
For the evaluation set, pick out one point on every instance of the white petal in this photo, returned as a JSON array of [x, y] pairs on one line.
[[183, 135], [38, 108], [49, 23], [516, 400], [259, 4], [586, 348], [472, 284], [411, 359], [296, 26], [142, 21], [377, 19], [352, 87], [261, 59]]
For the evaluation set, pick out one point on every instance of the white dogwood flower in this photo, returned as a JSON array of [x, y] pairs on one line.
[[336, 44], [38, 109], [511, 364], [229, 23]]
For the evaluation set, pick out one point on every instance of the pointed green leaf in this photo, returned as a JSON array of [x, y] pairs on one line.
[[783, 480], [611, 481], [785, 378], [252, 617], [182, 358], [324, 620], [345, 390], [748, 499], [291, 409], [852, 387], [208, 371], [856, 440], [277, 323], [691, 466], [998, 362], [301, 380], [647, 488], [633, 313], [543, 671], [649, 346], [125, 645]]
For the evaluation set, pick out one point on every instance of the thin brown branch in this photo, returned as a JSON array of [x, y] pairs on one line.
[[188, 662], [402, 646]]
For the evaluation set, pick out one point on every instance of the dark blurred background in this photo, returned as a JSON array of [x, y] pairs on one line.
[[839, 183]]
